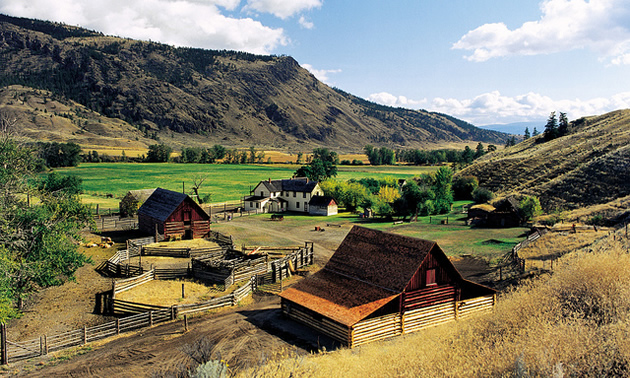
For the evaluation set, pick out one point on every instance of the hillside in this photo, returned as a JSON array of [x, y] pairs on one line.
[[232, 98], [589, 166]]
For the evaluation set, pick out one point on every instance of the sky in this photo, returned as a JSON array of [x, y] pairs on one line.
[[484, 61]]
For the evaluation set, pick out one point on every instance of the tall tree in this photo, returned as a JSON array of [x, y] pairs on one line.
[[551, 128], [323, 165], [37, 242], [527, 134], [563, 124], [535, 132]]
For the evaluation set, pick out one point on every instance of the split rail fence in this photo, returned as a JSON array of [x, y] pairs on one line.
[[391, 325]]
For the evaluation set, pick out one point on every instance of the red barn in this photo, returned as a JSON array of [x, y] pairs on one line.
[[379, 285], [173, 214]]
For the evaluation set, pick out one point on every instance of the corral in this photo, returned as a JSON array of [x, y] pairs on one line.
[[215, 263]]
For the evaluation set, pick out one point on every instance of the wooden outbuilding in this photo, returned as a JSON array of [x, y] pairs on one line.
[[171, 215], [378, 285], [322, 205]]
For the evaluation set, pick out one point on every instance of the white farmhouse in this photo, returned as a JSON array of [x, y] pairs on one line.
[[294, 194]]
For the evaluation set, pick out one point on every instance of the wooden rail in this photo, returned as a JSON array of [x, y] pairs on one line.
[[46, 344]]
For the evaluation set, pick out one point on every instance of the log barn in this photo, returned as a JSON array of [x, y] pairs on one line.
[[378, 285], [173, 215]]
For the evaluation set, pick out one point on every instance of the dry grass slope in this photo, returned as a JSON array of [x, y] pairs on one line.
[[572, 323], [586, 167]]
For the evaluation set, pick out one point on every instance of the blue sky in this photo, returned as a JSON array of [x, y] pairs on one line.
[[484, 61]]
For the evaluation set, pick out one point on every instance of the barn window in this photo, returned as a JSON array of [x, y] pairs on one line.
[[430, 278]]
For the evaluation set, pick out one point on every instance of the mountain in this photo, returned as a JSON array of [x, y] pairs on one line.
[[516, 128], [587, 167], [191, 96]]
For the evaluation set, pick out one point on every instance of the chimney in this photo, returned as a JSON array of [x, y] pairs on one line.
[[307, 180], [270, 180]]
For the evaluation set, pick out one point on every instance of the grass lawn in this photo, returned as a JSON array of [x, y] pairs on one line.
[[224, 182]]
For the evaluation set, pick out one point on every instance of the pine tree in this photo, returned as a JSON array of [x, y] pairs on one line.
[[526, 135], [563, 125], [551, 128], [535, 132]]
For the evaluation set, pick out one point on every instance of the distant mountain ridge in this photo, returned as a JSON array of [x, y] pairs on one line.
[[227, 97]]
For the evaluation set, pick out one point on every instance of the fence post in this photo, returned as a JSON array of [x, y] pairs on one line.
[[84, 335], [117, 326], [45, 345], [151, 318], [3, 344]]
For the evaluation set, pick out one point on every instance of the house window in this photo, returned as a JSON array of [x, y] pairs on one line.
[[297, 205], [262, 194], [430, 278], [294, 194], [257, 205], [304, 195], [251, 204]]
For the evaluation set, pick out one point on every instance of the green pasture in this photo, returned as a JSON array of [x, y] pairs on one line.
[[224, 182]]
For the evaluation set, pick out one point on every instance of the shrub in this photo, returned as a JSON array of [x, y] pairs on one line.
[[482, 195]]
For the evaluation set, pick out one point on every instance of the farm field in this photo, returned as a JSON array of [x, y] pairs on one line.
[[223, 181]]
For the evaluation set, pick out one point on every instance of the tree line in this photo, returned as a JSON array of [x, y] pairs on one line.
[[387, 156]]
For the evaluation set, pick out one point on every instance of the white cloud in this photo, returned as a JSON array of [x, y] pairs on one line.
[[306, 24], [282, 8], [321, 75], [493, 107], [389, 99], [600, 25], [179, 22]]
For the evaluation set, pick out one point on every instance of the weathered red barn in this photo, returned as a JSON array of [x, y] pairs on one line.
[[173, 215], [379, 285]]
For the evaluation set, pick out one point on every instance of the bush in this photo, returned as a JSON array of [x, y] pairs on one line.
[[482, 195], [530, 207], [464, 186]]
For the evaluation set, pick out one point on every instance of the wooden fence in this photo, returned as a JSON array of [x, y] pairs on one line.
[[390, 325], [112, 223], [16, 351]]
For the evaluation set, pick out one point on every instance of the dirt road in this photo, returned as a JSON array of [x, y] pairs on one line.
[[244, 337]]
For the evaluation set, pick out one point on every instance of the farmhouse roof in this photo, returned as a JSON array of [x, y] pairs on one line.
[[369, 269], [300, 184], [162, 203], [322, 201], [141, 195]]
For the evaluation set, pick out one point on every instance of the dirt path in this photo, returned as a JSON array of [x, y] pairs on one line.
[[244, 337]]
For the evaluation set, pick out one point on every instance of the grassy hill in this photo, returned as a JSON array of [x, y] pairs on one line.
[[587, 167], [231, 98]]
